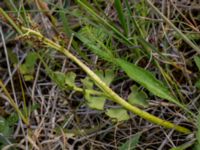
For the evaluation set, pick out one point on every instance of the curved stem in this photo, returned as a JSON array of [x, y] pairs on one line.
[[108, 91], [13, 104]]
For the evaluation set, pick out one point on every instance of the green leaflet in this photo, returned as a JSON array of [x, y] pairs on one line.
[[138, 98], [97, 101], [70, 79], [27, 68], [117, 114], [93, 101], [147, 80], [107, 76]]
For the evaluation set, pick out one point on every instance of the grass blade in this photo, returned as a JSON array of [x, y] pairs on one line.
[[137, 28], [183, 36], [104, 21], [118, 6], [184, 146], [13, 104], [197, 61], [5, 15]]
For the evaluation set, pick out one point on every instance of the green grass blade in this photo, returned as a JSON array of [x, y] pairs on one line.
[[118, 6], [14, 25], [184, 146], [197, 61], [137, 28], [104, 21], [182, 35], [24, 15], [13, 104]]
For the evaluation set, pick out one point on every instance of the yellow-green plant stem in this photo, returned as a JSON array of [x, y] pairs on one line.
[[13, 104], [10, 21], [109, 92], [75, 88]]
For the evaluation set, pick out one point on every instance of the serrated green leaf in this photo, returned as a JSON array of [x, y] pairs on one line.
[[58, 78], [70, 79], [137, 97], [197, 61], [95, 102], [147, 80], [94, 39], [107, 76], [131, 143], [61, 79], [92, 34], [118, 114], [87, 83]]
